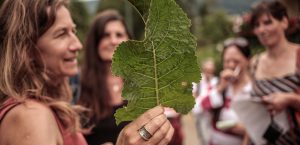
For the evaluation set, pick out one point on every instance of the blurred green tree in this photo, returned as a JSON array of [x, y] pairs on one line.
[[215, 27], [133, 20], [210, 25], [81, 18]]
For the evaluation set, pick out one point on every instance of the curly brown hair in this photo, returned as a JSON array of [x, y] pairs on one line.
[[23, 74]]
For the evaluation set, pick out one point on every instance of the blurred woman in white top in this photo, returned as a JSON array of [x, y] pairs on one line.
[[234, 84]]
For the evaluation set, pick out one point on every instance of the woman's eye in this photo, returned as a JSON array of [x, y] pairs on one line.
[[60, 34], [120, 35], [106, 35], [267, 22]]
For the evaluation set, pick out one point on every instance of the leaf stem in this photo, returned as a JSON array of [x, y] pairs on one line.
[[155, 73]]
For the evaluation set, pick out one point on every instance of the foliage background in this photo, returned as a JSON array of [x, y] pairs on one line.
[[212, 22]]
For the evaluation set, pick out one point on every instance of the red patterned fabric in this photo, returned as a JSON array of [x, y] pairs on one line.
[[206, 102]]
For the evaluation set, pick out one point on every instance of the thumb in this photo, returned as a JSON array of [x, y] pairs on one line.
[[267, 99]]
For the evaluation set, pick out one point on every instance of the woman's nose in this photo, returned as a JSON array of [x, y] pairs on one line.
[[75, 44], [231, 65], [114, 40]]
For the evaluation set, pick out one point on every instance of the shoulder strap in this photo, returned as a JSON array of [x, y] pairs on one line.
[[254, 67], [298, 61], [9, 104]]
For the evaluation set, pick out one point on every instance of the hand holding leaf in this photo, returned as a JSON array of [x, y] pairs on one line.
[[159, 69]]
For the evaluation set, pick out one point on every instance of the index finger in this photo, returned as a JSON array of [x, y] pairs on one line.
[[148, 115]]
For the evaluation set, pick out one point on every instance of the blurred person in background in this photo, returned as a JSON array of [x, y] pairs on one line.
[[101, 91], [276, 70], [38, 50], [203, 93], [175, 120], [234, 84]]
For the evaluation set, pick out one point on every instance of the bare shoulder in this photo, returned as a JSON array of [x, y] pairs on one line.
[[31, 111], [30, 123]]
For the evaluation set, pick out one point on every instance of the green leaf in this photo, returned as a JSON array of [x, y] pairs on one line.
[[158, 70], [142, 6]]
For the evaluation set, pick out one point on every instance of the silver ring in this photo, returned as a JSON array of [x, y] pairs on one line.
[[144, 133]]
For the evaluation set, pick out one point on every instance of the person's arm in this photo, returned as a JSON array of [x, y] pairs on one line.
[[30, 124], [277, 102], [155, 122], [246, 139], [226, 77], [295, 101], [231, 126], [238, 129]]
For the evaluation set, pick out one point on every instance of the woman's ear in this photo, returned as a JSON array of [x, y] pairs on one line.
[[285, 23]]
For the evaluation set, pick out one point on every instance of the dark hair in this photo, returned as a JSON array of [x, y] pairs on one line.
[[241, 43], [273, 8], [94, 90]]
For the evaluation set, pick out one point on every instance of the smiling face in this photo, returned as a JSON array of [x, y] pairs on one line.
[[233, 58], [114, 34], [59, 45], [269, 30]]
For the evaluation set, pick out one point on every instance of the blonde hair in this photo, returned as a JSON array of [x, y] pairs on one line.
[[22, 71]]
